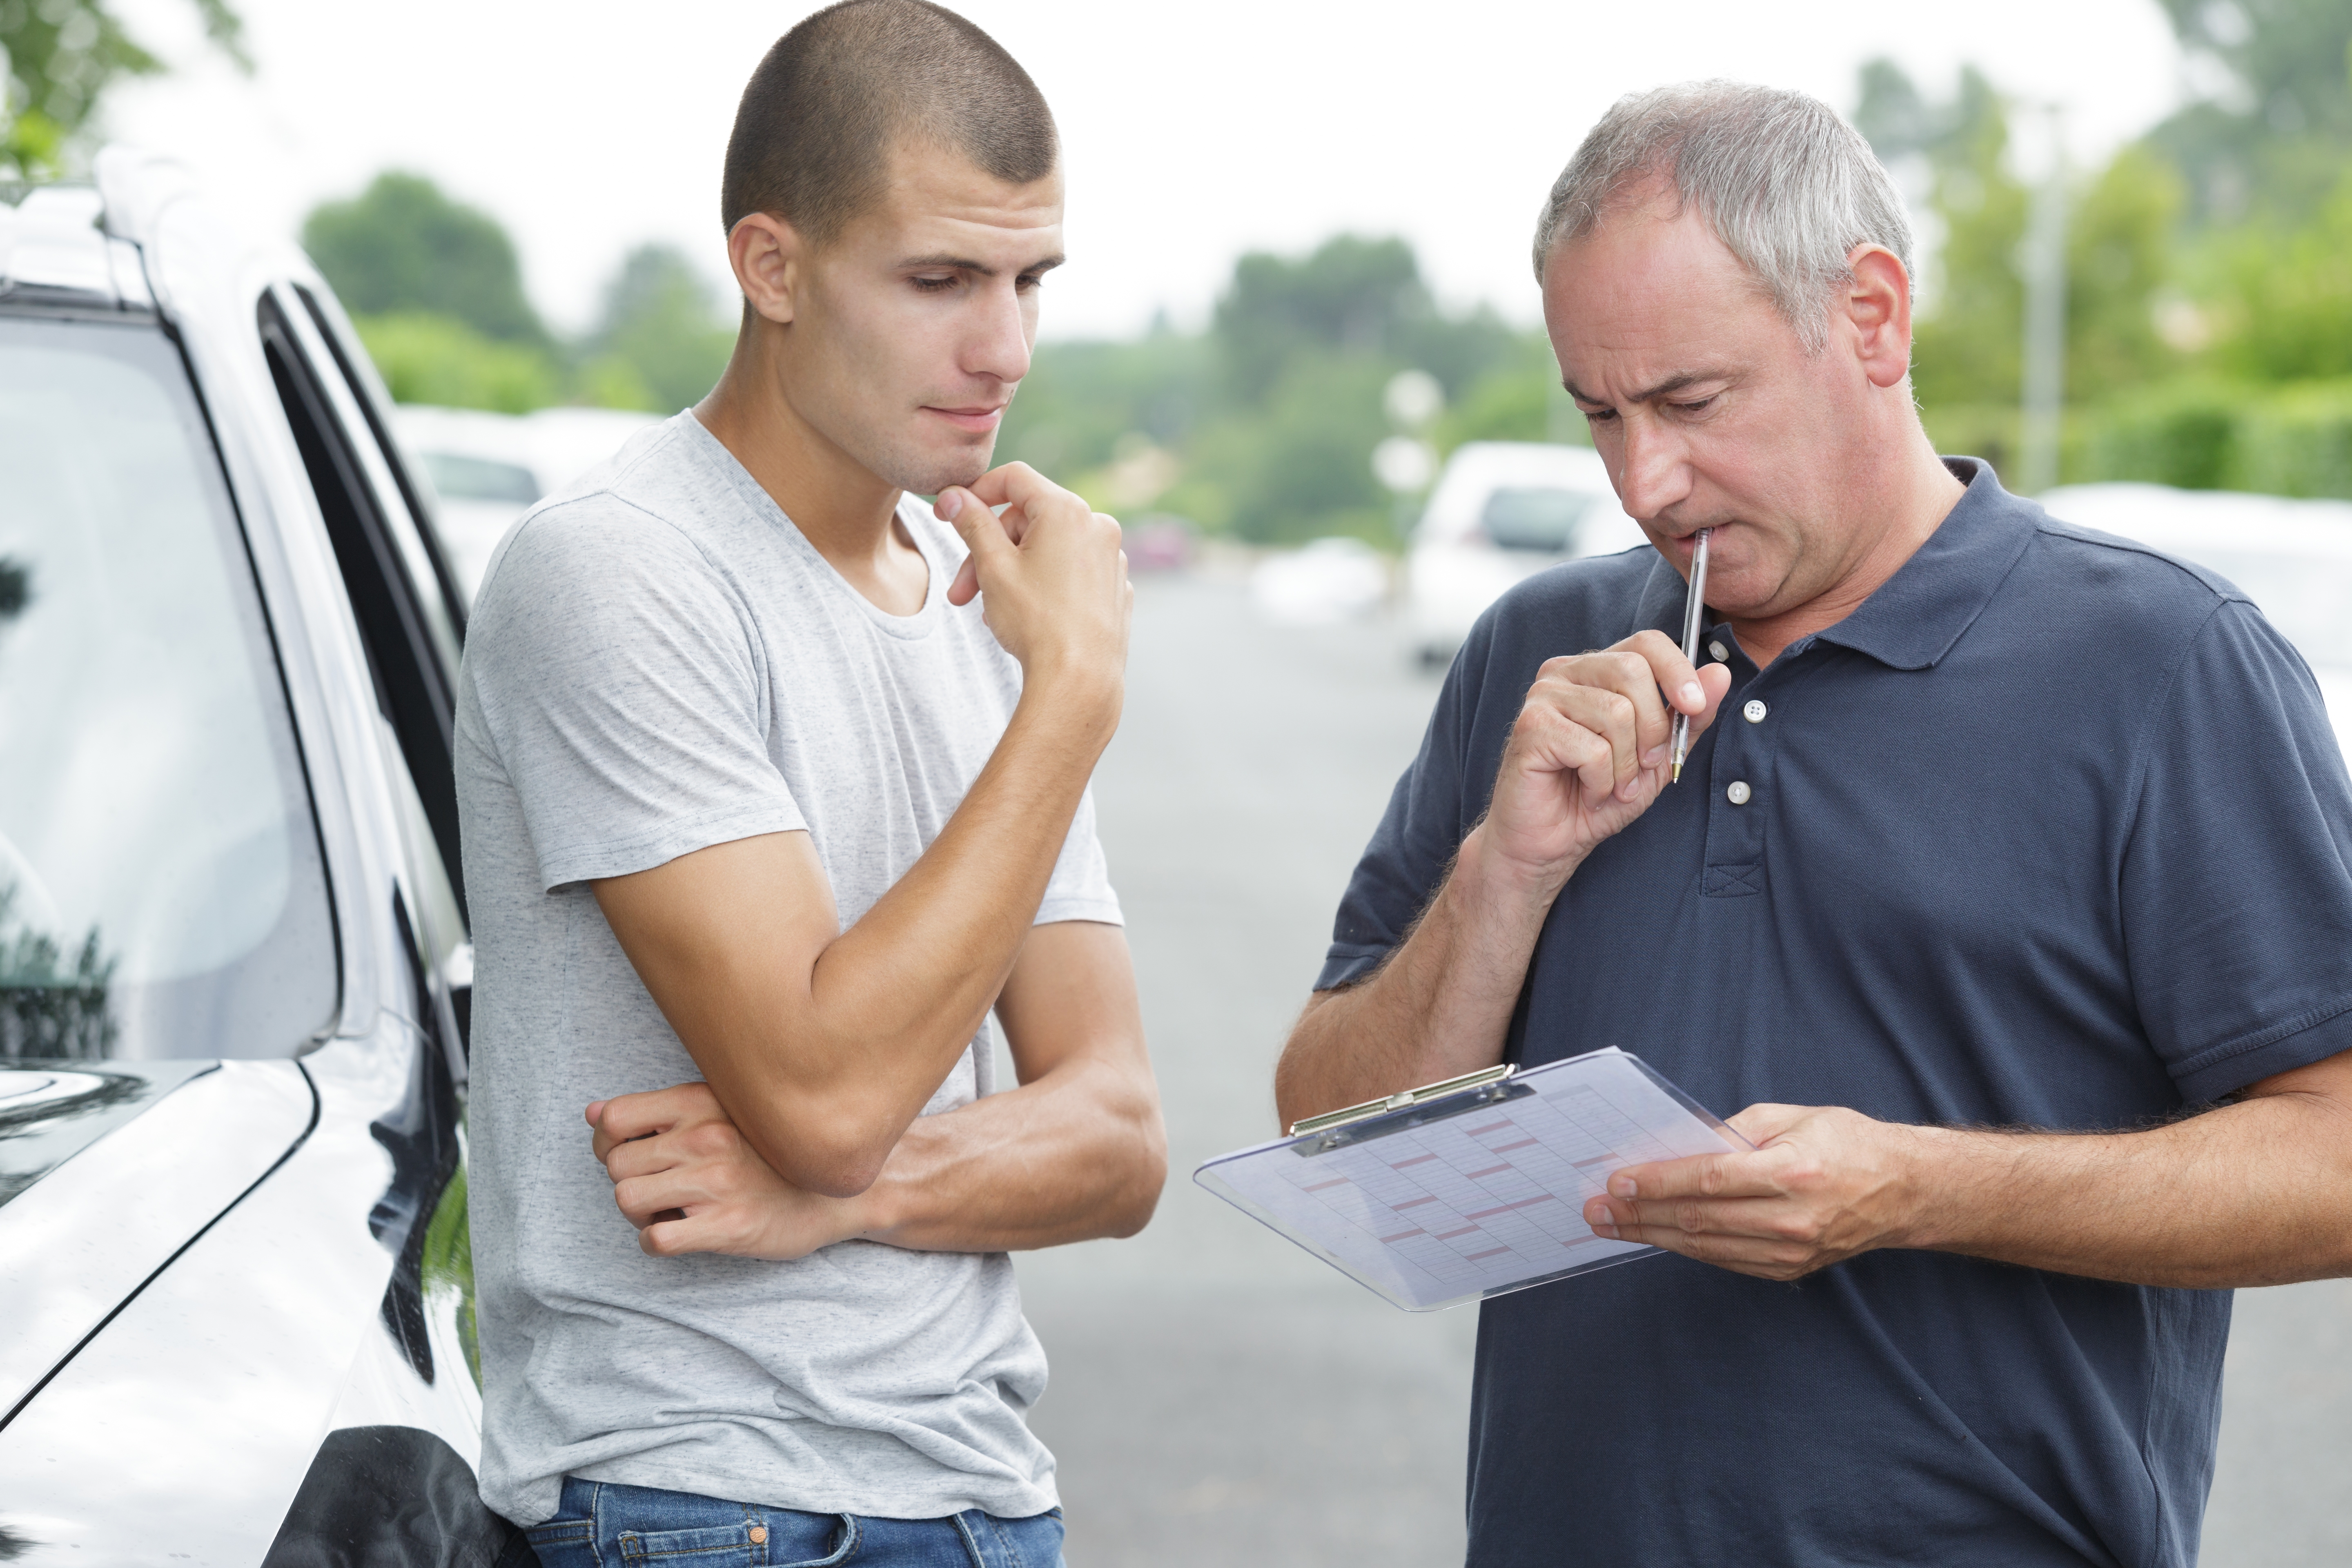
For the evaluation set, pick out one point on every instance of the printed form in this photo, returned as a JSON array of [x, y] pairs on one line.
[[1453, 1208]]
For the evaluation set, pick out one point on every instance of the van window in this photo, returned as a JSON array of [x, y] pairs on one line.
[[161, 888], [1534, 518]]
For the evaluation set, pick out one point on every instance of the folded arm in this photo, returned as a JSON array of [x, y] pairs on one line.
[[2253, 1193], [1077, 1152], [824, 1044]]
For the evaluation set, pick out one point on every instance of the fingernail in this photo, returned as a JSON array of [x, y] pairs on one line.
[[1655, 757], [1694, 694], [950, 503], [1621, 1187]]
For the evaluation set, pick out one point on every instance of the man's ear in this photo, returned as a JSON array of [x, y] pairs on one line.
[[1877, 302], [766, 253]]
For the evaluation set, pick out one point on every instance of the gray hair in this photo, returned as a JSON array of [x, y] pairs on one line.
[[1787, 186]]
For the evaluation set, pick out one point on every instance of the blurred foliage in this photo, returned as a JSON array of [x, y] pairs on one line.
[[402, 246], [2208, 310], [424, 357], [447, 1265], [662, 342], [1968, 346], [58, 57], [52, 1006], [435, 289], [1263, 425], [2272, 143]]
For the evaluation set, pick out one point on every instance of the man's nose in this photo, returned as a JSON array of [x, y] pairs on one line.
[[998, 343], [1655, 474]]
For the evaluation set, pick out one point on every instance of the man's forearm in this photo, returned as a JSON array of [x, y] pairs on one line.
[[1439, 1007], [1078, 1154], [2258, 1193], [824, 1044]]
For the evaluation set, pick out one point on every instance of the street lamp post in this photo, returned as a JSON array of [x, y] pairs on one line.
[[2044, 384]]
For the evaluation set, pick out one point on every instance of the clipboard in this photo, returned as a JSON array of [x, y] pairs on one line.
[[1472, 1187]]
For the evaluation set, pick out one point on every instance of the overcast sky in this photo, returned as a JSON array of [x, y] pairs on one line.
[[1194, 132]]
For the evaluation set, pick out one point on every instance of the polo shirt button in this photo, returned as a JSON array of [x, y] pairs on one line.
[[1721, 653], [1738, 792], [1754, 712]]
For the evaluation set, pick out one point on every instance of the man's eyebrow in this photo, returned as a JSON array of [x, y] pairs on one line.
[[1666, 388], [966, 263]]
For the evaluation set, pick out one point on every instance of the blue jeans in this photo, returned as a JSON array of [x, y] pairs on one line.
[[601, 1525]]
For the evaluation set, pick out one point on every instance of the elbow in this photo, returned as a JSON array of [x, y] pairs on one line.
[[830, 1161], [1142, 1175], [1140, 1201]]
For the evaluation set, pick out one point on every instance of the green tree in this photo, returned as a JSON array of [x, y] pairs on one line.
[[2119, 261], [2286, 297], [439, 360], [2276, 142], [402, 246], [58, 57], [1966, 347], [662, 342], [1967, 358]]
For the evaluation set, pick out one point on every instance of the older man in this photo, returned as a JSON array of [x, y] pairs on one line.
[[1994, 826]]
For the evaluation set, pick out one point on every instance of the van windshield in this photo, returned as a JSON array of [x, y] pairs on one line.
[[160, 891], [1534, 518]]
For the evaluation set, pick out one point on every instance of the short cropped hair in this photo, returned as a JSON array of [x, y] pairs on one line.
[[816, 125], [1789, 187]]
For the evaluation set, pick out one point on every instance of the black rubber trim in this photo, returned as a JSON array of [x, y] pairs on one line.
[[83, 1343]]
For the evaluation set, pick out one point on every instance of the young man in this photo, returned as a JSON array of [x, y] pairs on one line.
[[759, 802], [1991, 823]]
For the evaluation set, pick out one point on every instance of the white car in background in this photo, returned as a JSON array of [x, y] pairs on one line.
[[1501, 511], [487, 469], [2292, 558]]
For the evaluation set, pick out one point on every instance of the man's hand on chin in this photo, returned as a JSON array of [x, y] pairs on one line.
[[1821, 1184], [689, 1182]]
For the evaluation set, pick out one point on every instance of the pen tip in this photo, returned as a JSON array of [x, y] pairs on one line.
[[1676, 777]]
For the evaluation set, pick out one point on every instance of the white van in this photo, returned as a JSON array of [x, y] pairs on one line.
[[1503, 511]]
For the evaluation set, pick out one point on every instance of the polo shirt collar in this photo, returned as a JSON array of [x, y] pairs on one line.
[[1917, 616]]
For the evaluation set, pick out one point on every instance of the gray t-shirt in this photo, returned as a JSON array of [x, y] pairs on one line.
[[660, 661]]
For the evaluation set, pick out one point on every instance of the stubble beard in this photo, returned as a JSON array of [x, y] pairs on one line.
[[910, 465]]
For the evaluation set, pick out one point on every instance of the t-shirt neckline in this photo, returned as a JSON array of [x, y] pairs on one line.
[[907, 628]]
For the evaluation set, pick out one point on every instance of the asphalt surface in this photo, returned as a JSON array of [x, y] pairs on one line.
[[1218, 1396]]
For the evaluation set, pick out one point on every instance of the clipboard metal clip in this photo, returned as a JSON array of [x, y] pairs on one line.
[[1408, 1107]]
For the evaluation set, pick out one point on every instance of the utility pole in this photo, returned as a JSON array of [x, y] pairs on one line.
[[2043, 392]]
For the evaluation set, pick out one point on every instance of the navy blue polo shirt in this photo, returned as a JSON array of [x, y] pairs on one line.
[[2052, 832]]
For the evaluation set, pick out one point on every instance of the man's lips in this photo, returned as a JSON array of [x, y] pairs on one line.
[[1682, 546], [980, 421]]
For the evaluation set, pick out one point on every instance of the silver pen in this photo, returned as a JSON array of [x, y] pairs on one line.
[[1693, 611]]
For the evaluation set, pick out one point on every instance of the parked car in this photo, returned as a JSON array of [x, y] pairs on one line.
[[1501, 511], [487, 469], [2292, 558], [235, 1309]]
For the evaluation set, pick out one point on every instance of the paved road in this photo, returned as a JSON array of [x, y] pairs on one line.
[[1218, 1396]]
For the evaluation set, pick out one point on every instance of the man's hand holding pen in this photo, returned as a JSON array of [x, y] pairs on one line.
[[1589, 752]]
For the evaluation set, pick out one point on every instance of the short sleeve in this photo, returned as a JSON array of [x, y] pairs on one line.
[[1080, 887], [2237, 875], [619, 683], [1406, 861]]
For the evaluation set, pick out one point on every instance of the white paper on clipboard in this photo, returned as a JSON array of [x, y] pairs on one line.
[[1474, 1194]]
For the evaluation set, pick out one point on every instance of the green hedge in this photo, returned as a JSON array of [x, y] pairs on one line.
[[2293, 439], [2297, 442], [2197, 433]]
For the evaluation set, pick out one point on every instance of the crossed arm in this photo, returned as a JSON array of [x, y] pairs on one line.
[[819, 1047], [1077, 1152], [2258, 1191]]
